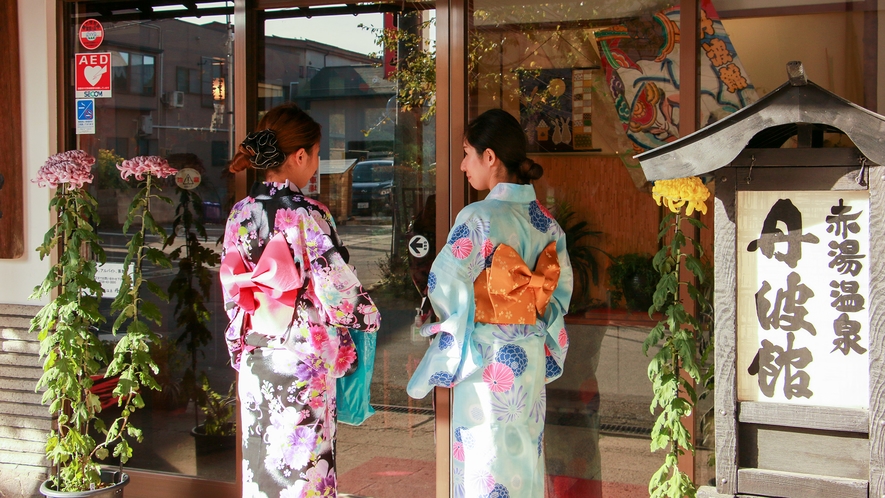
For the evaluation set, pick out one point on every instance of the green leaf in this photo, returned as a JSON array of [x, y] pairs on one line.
[[694, 265], [654, 337], [696, 222]]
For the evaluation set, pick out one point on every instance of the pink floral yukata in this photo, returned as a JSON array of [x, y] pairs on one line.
[[291, 297]]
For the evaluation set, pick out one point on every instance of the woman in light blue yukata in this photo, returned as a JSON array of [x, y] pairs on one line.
[[500, 288]]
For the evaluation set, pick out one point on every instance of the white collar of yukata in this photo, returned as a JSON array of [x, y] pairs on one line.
[[512, 192]]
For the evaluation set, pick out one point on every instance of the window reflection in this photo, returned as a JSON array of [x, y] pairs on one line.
[[376, 174], [163, 104]]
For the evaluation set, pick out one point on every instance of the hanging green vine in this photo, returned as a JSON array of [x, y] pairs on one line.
[[675, 336]]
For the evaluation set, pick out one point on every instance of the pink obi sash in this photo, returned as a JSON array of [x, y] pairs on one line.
[[268, 292]]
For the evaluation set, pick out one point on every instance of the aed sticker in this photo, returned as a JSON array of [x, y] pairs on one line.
[[187, 178]]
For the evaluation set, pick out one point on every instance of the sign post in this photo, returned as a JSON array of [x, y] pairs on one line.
[[85, 117], [798, 296]]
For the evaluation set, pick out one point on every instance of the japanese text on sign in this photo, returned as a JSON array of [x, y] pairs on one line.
[[803, 324]]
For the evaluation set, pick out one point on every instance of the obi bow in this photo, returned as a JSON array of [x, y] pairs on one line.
[[267, 292], [508, 292]]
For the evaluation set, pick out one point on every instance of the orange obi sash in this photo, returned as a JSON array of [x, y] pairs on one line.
[[509, 293]]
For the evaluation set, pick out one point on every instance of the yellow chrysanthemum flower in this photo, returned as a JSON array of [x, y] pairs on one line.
[[689, 192]]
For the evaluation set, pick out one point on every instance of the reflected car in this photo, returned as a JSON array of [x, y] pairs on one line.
[[372, 188]]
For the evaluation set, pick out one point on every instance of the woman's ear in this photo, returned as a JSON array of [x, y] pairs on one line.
[[300, 156], [489, 157]]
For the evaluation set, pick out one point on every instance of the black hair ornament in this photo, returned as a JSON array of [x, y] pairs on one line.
[[262, 144]]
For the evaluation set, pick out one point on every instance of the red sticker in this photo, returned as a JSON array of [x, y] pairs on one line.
[[91, 34]]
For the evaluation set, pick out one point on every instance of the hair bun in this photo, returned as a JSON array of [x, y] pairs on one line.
[[530, 170]]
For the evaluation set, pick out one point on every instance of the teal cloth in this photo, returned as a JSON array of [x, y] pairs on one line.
[[353, 390]]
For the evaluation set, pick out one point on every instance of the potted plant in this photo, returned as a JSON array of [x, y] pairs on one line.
[[581, 255], [67, 326], [633, 277], [191, 286], [215, 439], [218, 430]]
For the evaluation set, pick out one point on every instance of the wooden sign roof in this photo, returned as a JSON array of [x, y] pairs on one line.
[[797, 101]]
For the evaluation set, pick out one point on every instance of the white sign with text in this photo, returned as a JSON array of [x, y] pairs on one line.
[[803, 298]]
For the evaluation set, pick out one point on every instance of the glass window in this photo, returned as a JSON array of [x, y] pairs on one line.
[[133, 73], [156, 110], [377, 177], [595, 83], [187, 80], [592, 83]]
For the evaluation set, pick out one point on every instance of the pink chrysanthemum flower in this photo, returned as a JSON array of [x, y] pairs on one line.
[[73, 167], [139, 166]]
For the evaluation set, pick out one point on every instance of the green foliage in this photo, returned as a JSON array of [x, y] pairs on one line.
[[396, 277], [132, 360], [416, 64], [69, 347], [581, 254], [105, 172], [677, 352], [634, 278], [218, 408], [192, 284]]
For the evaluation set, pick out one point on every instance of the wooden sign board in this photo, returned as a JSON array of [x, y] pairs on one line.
[[803, 288], [799, 300]]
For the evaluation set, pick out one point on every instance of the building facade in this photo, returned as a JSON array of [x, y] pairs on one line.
[[593, 84]]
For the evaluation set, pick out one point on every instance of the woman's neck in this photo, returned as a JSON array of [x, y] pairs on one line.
[[275, 175]]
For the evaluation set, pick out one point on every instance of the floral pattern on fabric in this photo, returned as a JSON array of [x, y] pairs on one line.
[[287, 388], [498, 371]]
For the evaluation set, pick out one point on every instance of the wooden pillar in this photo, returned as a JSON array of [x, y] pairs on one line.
[[451, 117], [689, 100], [12, 231], [249, 31], [870, 55]]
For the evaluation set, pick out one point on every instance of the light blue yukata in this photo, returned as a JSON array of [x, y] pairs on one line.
[[499, 372]]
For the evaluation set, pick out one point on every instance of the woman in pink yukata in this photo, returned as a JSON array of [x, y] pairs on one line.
[[291, 297], [500, 288]]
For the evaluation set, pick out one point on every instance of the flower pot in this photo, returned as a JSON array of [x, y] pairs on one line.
[[206, 444], [637, 294], [215, 455], [117, 481]]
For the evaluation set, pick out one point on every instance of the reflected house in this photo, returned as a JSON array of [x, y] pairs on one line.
[[344, 91], [348, 101], [336, 177], [162, 84], [171, 78]]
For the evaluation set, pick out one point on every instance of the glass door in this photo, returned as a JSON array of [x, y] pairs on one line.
[[157, 82], [377, 176]]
